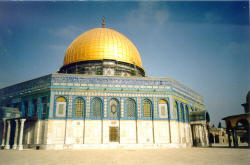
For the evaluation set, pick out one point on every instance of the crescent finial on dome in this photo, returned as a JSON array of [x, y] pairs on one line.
[[103, 22]]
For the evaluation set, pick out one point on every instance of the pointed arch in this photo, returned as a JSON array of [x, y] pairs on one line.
[[79, 107], [163, 108], [61, 103], [147, 107], [97, 108], [176, 111], [187, 113], [114, 108], [182, 115], [131, 108]]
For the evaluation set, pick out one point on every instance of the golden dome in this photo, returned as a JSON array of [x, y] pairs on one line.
[[100, 44]]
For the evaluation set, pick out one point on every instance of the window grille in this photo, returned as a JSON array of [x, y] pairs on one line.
[[147, 109], [97, 107], [60, 107], [163, 109], [35, 106], [79, 108], [44, 107], [114, 134], [131, 108]]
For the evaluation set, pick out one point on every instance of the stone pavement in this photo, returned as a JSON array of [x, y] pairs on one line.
[[172, 156]]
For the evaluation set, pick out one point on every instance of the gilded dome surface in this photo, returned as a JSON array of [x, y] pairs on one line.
[[100, 44]]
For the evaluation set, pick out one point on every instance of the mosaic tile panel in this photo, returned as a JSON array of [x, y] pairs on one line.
[[105, 107], [155, 109], [88, 107], [139, 107], [122, 108], [70, 107]]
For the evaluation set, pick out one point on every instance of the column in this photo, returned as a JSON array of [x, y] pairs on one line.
[[207, 135], [7, 146], [235, 139], [16, 135], [3, 137], [200, 135], [229, 139], [20, 145]]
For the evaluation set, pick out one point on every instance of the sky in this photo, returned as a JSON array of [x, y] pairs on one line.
[[203, 45]]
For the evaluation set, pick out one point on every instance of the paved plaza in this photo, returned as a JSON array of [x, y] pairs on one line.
[[194, 156]]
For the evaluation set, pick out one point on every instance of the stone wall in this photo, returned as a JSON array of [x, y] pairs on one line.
[[80, 134]]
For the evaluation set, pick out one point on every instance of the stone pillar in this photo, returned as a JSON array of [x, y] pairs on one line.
[[201, 135], [20, 144], [207, 135], [3, 137], [233, 136], [229, 139], [7, 146], [235, 139], [16, 135]]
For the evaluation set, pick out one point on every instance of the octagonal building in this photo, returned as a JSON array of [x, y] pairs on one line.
[[101, 98]]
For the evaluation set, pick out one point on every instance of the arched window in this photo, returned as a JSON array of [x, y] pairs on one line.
[[147, 109], [131, 109], [45, 108], [182, 117], [176, 110], [163, 109], [114, 108], [61, 107], [35, 107], [26, 108], [97, 108], [187, 114], [79, 108]]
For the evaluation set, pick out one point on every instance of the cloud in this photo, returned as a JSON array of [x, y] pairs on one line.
[[235, 48], [68, 32], [5, 35], [212, 17], [64, 36], [147, 12], [58, 47]]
